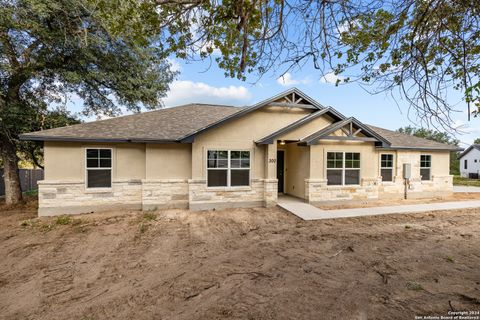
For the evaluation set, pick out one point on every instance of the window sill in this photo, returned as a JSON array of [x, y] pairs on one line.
[[242, 188], [343, 186], [98, 190]]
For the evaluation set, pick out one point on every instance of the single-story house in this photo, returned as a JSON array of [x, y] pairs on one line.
[[200, 156], [470, 162]]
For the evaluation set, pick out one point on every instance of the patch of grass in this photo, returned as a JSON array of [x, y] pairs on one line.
[[149, 216], [460, 181], [63, 220], [142, 227], [31, 193], [412, 285], [450, 259]]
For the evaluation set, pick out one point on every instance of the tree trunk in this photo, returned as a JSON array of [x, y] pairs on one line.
[[13, 191]]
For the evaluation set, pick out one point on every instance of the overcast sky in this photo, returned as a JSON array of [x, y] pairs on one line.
[[204, 82]]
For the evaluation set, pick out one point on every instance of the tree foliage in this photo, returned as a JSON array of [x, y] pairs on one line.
[[50, 49], [422, 48], [476, 141]]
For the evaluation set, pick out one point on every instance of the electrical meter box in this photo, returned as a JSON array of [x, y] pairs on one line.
[[407, 171]]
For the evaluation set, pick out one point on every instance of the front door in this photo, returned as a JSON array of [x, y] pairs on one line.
[[280, 170]]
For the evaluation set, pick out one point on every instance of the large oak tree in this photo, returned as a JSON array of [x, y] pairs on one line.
[[50, 49]]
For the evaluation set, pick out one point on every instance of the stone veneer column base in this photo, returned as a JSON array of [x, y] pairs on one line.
[[270, 192]]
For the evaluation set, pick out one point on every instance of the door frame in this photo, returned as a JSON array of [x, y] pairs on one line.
[[283, 169]]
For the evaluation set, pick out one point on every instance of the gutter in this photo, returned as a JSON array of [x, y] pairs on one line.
[[26, 137]]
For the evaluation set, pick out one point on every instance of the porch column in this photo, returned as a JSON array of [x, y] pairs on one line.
[[316, 181], [271, 183]]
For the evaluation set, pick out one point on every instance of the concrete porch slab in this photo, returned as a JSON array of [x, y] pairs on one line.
[[306, 211]]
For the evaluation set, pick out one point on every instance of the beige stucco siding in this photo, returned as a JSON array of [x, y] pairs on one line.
[[440, 162], [368, 157], [65, 161], [168, 161], [307, 129], [129, 161], [296, 169], [241, 134]]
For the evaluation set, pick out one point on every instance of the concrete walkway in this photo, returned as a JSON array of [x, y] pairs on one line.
[[466, 189], [308, 212]]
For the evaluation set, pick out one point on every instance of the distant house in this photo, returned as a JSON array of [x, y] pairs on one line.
[[201, 156], [470, 162]]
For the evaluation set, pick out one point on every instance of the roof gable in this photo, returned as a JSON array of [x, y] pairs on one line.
[[472, 147], [292, 98], [351, 127], [326, 111]]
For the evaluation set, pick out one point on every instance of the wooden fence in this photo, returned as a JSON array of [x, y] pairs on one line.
[[28, 179]]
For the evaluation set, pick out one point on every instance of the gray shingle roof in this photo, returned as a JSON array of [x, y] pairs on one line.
[[169, 124], [179, 123], [405, 141]]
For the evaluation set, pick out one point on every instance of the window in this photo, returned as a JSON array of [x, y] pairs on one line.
[[425, 166], [227, 168], [386, 167], [99, 168], [343, 168], [465, 164]]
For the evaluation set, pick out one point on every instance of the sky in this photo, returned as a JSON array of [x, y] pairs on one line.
[[204, 82]]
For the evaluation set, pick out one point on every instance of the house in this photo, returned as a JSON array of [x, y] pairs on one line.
[[470, 162], [201, 156]]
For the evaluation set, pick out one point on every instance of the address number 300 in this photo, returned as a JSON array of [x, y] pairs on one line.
[[272, 160]]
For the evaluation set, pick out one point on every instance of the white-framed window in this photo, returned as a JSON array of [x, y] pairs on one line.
[[343, 168], [465, 164], [98, 167], [425, 166], [228, 168], [386, 167]]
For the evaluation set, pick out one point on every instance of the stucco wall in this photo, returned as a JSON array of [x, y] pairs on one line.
[[368, 157], [241, 134], [66, 160], [168, 161], [296, 169]]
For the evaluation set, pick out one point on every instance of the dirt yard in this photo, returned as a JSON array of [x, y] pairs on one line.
[[237, 264]]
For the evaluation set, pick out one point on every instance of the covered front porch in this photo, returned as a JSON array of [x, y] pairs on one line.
[[336, 163]]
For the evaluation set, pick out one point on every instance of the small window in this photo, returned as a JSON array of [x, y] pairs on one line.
[[475, 160], [425, 166], [386, 167], [227, 168], [99, 168], [465, 164], [343, 168]]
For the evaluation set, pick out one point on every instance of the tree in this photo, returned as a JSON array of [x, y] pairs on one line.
[[438, 136], [54, 48], [420, 48], [477, 141]]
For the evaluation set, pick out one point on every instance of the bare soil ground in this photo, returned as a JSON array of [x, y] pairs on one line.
[[237, 264], [458, 196]]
